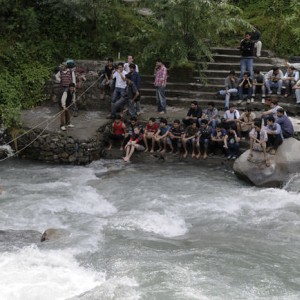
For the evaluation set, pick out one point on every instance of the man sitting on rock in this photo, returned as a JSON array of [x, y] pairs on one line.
[[246, 121], [273, 79], [211, 114], [258, 141], [275, 137], [231, 116], [232, 142], [174, 137], [217, 139], [285, 123]]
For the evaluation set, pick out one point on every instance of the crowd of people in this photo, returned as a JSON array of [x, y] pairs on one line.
[[205, 132], [202, 131], [252, 82]]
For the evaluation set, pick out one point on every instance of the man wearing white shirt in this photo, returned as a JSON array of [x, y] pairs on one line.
[[130, 60], [119, 75]]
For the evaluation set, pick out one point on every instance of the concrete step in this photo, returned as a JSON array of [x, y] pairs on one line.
[[235, 51], [236, 58], [234, 66]]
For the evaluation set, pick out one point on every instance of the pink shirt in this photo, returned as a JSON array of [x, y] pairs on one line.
[[161, 76]]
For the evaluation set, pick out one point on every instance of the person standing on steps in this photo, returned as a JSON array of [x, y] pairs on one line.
[[256, 38], [67, 99], [247, 49], [160, 83]]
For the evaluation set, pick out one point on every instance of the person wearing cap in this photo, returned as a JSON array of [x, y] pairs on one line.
[[65, 76], [285, 123], [231, 88]]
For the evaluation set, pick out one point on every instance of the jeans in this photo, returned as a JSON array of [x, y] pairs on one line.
[[161, 99], [258, 46], [288, 85], [118, 93], [259, 87], [274, 140], [270, 84], [227, 95], [233, 149], [123, 101], [241, 92], [297, 93], [246, 65]]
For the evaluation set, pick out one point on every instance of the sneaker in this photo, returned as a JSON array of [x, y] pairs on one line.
[[248, 101], [252, 100], [233, 157], [263, 100], [228, 157], [63, 128], [240, 101], [70, 126]]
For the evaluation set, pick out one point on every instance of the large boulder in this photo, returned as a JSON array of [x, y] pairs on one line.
[[283, 164]]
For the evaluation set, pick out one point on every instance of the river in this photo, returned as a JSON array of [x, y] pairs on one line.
[[140, 231]]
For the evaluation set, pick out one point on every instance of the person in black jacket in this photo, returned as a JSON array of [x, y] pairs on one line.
[[247, 48]]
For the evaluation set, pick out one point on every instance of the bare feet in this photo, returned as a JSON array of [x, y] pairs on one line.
[[193, 155], [205, 156], [185, 154], [198, 155], [163, 151], [146, 150], [126, 159], [152, 151]]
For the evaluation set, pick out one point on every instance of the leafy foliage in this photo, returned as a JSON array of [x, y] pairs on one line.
[[36, 35]]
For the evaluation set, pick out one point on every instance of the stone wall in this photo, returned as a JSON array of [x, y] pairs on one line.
[[59, 148]]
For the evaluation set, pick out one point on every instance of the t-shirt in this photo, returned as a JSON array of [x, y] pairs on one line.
[[205, 132], [219, 133], [163, 130], [190, 131], [195, 113], [120, 83], [152, 128], [176, 131]]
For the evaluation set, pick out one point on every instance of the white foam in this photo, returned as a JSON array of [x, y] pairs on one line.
[[168, 224], [34, 274]]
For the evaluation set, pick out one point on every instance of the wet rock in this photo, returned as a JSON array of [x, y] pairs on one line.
[[283, 164], [54, 234]]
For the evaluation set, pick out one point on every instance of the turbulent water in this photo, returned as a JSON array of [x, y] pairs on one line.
[[146, 232]]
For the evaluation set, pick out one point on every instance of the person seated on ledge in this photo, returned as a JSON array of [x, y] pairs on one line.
[[285, 123], [273, 79], [258, 141], [271, 112], [275, 137], [217, 139], [189, 137], [245, 87], [211, 114], [174, 137], [290, 78], [232, 142], [135, 143], [231, 88], [203, 142], [150, 129], [258, 86], [194, 114], [118, 132], [231, 116], [247, 121], [160, 137]]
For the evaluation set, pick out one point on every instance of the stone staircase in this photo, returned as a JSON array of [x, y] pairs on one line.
[[202, 85], [204, 89]]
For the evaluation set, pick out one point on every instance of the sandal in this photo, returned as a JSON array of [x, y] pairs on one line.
[[268, 163], [249, 158]]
